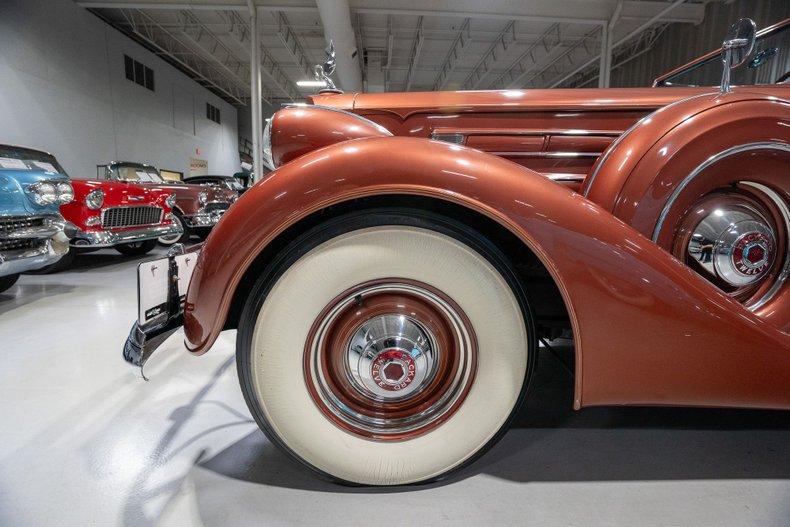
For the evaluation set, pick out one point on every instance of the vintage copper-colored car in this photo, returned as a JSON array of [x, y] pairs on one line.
[[197, 208], [391, 279]]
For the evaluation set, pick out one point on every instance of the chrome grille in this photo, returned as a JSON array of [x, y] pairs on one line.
[[16, 245], [11, 223], [116, 217]]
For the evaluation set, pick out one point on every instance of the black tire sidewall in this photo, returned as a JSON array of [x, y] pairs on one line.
[[7, 282]]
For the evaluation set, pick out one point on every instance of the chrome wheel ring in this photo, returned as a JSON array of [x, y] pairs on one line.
[[390, 359], [737, 239]]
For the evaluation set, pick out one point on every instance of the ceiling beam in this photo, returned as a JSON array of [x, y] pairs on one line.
[[293, 45], [456, 51], [415, 55], [658, 17], [486, 63], [169, 46], [569, 11], [239, 30]]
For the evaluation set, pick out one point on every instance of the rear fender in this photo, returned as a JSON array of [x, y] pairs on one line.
[[647, 329]]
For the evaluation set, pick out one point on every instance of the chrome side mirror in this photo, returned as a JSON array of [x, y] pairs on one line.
[[737, 48], [323, 72]]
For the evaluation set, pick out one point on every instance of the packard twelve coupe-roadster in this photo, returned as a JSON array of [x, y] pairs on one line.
[[391, 278]]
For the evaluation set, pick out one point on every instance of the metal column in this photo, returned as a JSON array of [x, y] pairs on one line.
[[255, 95], [606, 56], [336, 19]]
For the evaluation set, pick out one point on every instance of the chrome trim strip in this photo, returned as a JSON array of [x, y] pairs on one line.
[[617, 141], [548, 154], [607, 153], [108, 238], [785, 273], [578, 178], [708, 162], [528, 132]]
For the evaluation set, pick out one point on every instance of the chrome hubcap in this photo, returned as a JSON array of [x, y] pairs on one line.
[[734, 245], [391, 357]]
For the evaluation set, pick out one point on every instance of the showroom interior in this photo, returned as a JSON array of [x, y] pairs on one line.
[[344, 262]]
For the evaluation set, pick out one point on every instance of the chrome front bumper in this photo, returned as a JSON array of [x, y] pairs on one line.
[[52, 242], [204, 219], [97, 239]]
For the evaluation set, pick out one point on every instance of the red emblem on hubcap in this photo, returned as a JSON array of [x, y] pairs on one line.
[[751, 253], [393, 369]]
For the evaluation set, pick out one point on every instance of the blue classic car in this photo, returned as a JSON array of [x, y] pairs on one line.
[[33, 234]]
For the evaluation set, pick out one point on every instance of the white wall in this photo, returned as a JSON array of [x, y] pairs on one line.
[[63, 89]]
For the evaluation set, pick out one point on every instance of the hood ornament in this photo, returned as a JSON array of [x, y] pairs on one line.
[[324, 71]]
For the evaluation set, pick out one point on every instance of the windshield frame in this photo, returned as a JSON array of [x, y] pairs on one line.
[[661, 80], [45, 157], [114, 173]]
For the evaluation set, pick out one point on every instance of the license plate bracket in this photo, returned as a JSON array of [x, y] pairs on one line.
[[154, 293]]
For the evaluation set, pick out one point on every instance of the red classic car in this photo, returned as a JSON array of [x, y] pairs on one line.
[[197, 208], [390, 289], [127, 217]]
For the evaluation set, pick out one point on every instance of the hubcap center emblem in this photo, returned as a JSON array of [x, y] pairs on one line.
[[751, 253], [393, 369]]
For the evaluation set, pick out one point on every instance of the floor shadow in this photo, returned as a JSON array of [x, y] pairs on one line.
[[26, 291], [549, 441]]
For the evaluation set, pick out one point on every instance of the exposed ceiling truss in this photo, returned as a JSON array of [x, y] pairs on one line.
[[402, 45]]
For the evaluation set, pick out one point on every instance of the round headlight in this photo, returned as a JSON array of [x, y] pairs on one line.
[[95, 199], [44, 193], [170, 200], [268, 160], [203, 198], [65, 192]]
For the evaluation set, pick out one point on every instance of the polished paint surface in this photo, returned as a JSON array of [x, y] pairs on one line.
[[116, 194], [299, 130], [644, 178], [680, 327], [86, 442]]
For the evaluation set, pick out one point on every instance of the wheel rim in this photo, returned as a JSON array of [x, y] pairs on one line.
[[390, 359], [169, 240], [737, 239]]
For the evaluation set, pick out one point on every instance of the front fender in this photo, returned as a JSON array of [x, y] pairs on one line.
[[647, 329]]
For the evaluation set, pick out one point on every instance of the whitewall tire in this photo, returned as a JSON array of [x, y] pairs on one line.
[[447, 340]]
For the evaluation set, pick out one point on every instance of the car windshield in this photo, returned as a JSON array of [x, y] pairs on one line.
[[140, 173], [770, 64], [13, 157]]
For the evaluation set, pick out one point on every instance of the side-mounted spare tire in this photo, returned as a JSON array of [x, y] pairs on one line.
[[706, 179]]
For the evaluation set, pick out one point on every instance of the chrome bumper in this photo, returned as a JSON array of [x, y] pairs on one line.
[[99, 239], [204, 219], [53, 243]]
